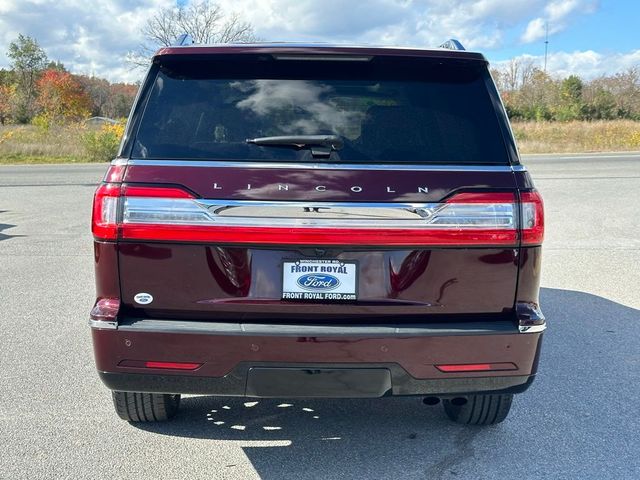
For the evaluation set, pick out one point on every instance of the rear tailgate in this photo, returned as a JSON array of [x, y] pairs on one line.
[[416, 214], [240, 276]]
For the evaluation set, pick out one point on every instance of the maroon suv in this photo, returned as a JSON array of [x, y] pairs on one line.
[[317, 221]]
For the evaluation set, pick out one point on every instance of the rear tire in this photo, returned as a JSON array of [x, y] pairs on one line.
[[478, 409], [145, 407]]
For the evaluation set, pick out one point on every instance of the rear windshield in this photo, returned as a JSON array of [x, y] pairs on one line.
[[410, 111]]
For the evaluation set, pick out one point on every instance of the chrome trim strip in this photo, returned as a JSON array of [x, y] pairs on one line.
[[148, 325], [324, 166], [317, 214], [533, 328], [119, 162], [103, 324]]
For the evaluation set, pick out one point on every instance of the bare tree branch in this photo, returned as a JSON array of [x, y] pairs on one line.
[[203, 20]]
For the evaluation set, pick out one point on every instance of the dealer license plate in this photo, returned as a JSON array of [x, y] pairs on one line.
[[319, 280]]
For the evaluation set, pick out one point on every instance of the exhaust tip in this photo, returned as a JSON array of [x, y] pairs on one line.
[[431, 401], [459, 401]]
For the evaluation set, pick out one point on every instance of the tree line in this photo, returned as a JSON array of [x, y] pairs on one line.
[[529, 93], [37, 90]]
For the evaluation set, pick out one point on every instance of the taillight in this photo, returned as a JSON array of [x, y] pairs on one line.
[[155, 192], [104, 221], [532, 215], [174, 214], [105, 224]]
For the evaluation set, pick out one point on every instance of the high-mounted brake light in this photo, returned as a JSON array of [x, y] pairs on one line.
[[323, 58]]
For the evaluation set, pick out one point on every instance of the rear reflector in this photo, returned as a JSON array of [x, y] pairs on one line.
[[476, 367], [152, 213], [160, 365], [172, 365]]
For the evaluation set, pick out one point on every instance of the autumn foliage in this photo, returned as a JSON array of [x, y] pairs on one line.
[[7, 95], [61, 97], [43, 92]]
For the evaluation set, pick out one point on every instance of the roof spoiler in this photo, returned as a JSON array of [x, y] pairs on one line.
[[452, 44], [186, 39]]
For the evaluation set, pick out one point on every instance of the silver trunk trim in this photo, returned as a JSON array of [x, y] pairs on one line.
[[318, 166]]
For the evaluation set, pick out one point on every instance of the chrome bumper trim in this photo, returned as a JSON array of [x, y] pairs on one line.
[[103, 325], [148, 325], [533, 328]]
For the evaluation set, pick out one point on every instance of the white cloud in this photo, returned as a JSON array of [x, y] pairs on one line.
[[93, 36], [478, 24], [89, 37], [556, 17], [588, 64]]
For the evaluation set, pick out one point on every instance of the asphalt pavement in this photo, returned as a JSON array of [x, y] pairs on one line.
[[579, 420]]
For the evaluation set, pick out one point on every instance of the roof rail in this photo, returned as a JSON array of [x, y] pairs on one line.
[[452, 44], [184, 39]]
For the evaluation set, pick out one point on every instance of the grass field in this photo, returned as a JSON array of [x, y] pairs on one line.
[[74, 143], [30, 144], [577, 137], [67, 144]]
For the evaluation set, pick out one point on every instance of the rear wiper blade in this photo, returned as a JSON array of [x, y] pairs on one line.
[[321, 145]]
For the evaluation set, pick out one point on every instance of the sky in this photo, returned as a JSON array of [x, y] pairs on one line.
[[586, 37]]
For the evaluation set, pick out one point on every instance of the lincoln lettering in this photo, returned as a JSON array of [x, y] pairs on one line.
[[323, 188]]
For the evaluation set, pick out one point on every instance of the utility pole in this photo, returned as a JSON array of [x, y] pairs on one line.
[[546, 45]]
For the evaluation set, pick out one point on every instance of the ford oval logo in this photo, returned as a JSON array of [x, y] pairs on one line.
[[318, 283]]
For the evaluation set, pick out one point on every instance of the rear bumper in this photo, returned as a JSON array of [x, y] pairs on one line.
[[237, 384], [261, 360]]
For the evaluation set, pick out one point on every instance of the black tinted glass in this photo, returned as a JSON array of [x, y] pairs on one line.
[[428, 113]]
